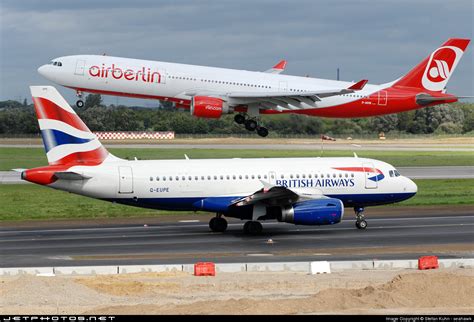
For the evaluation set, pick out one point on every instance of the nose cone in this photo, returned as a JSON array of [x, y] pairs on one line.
[[42, 70], [410, 187]]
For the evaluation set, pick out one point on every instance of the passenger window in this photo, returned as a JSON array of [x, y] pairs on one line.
[[190, 178], [310, 176], [151, 178], [157, 178], [196, 178], [253, 176], [171, 178], [246, 176], [208, 177], [164, 178], [240, 177], [177, 178], [222, 177], [183, 178], [215, 177], [259, 176], [265, 176], [228, 177]]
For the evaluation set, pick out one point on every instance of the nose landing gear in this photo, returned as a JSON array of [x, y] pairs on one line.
[[251, 124], [360, 219]]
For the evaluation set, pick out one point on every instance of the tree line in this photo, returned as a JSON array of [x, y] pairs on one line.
[[19, 118]]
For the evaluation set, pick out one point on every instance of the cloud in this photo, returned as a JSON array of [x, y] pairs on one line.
[[373, 39]]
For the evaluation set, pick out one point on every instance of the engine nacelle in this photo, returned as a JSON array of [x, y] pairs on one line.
[[313, 212], [209, 107]]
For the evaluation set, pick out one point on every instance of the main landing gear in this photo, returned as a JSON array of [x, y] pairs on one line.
[[251, 124], [218, 224], [80, 102], [253, 227], [360, 219]]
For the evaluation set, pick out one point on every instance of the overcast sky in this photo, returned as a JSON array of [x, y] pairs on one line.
[[378, 40]]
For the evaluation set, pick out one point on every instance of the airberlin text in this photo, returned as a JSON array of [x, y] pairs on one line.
[[314, 183], [142, 74]]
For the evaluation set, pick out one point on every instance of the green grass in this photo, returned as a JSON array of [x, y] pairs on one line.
[[26, 202], [34, 157]]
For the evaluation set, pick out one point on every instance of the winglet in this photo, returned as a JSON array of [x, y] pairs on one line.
[[278, 68], [359, 85]]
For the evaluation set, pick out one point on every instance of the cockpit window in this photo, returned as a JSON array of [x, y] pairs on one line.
[[391, 173], [56, 63], [397, 174]]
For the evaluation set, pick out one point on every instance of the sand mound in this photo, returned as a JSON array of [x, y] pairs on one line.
[[426, 291]]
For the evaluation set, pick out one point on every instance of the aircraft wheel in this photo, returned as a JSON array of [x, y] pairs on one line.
[[239, 119], [80, 103], [262, 131], [253, 227], [218, 224], [361, 224], [251, 125]]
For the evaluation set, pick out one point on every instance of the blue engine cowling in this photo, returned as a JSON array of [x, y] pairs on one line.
[[313, 212]]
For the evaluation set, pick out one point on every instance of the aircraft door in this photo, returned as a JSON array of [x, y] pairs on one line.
[[80, 66], [382, 99], [125, 180], [283, 86], [370, 176]]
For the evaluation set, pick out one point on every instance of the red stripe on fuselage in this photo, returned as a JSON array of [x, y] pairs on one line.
[[359, 169], [45, 109]]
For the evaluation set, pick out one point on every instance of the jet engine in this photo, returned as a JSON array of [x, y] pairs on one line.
[[209, 107], [326, 211]]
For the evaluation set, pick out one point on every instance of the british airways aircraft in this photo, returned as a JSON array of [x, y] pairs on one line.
[[210, 92], [302, 191]]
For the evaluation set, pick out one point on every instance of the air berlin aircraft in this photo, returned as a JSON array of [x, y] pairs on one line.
[[302, 191], [210, 92]]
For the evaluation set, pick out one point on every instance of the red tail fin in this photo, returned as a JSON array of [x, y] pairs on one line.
[[433, 72]]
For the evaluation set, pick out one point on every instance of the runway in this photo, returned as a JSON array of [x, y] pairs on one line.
[[393, 233], [447, 172]]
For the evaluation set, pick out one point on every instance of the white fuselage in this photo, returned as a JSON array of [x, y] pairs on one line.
[[178, 184], [176, 82]]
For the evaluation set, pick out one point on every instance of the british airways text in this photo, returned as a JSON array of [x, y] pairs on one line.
[[310, 183]]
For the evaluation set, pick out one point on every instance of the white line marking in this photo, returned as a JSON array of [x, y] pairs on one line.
[[186, 221]]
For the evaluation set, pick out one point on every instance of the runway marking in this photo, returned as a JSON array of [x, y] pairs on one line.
[[208, 233], [6, 232], [259, 255], [187, 221]]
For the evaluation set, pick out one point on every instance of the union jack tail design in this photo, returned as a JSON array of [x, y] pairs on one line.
[[67, 140]]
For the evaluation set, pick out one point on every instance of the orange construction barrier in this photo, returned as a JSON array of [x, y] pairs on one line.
[[428, 262], [204, 269]]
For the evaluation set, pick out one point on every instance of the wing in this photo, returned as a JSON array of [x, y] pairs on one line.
[[278, 68], [288, 100], [280, 101]]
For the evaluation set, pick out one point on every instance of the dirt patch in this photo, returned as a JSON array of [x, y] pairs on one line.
[[369, 292]]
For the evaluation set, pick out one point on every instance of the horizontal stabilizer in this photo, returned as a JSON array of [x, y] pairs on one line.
[[70, 175]]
